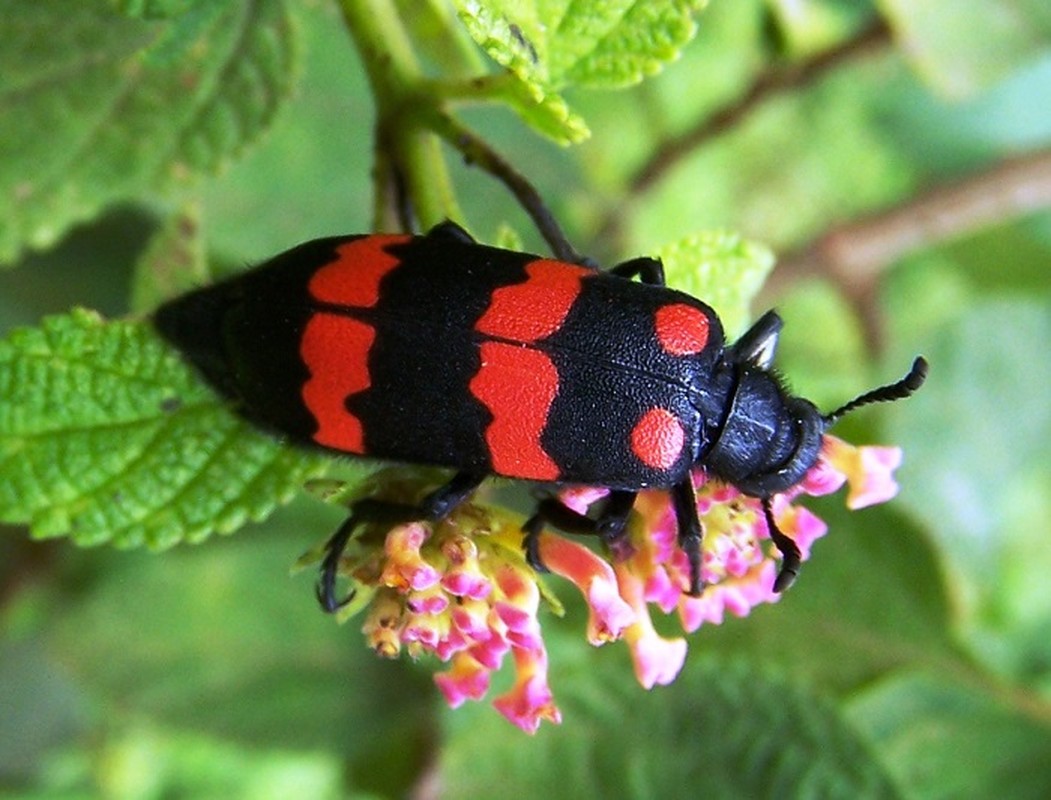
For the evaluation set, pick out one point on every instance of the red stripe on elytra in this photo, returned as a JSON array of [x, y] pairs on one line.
[[657, 438], [336, 351], [353, 277], [517, 385], [682, 330], [535, 308]]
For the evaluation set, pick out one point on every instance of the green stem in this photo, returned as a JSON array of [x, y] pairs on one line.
[[477, 152], [403, 113], [501, 87]]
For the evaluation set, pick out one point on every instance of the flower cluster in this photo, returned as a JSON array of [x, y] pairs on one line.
[[462, 590]]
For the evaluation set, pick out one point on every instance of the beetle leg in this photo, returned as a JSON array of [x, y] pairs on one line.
[[435, 506], [443, 500], [691, 534], [791, 560], [649, 270], [551, 511], [325, 591], [610, 525], [450, 230]]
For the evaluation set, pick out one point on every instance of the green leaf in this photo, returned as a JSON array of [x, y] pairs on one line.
[[962, 48], [219, 639], [976, 439], [723, 730], [551, 46], [549, 114], [721, 268], [215, 641], [107, 436], [97, 107], [942, 738], [872, 598], [618, 44]]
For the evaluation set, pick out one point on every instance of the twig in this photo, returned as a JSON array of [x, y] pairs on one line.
[[477, 152], [673, 150], [857, 253], [771, 83]]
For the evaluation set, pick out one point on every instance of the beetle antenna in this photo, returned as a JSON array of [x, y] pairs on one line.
[[885, 394]]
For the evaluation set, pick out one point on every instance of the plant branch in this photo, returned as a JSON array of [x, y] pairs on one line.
[[412, 183], [477, 152], [856, 254], [770, 83], [409, 156]]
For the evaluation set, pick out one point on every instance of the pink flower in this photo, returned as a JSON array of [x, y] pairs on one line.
[[530, 700], [869, 471], [657, 660], [464, 577], [460, 590], [465, 680], [608, 613], [406, 568]]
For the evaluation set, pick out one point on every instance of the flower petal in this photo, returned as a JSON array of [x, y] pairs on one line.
[[530, 700], [465, 680], [608, 614], [657, 660]]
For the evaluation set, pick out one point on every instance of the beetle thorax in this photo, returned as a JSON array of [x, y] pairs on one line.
[[768, 440]]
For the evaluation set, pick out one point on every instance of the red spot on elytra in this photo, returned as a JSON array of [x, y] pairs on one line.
[[353, 278], [682, 330], [657, 438], [517, 385], [336, 351], [537, 307]]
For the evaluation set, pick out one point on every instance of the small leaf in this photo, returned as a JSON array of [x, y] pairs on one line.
[[611, 47], [549, 114], [97, 107], [552, 46], [720, 268], [107, 436]]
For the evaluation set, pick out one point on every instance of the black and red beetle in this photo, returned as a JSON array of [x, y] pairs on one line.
[[438, 350]]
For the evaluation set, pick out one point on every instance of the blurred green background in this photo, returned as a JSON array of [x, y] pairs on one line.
[[912, 659]]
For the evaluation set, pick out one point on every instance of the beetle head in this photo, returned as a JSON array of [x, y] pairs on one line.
[[768, 438]]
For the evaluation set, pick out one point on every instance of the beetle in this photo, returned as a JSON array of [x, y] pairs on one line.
[[438, 350]]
